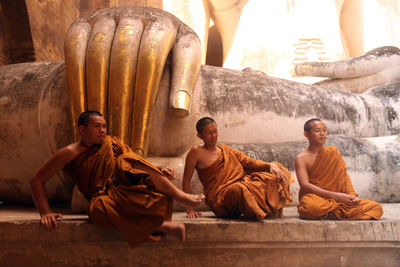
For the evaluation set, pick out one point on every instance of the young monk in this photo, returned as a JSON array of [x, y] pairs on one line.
[[235, 184], [326, 190], [125, 191]]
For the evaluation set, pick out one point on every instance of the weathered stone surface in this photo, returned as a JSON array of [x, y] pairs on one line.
[[288, 241], [278, 108], [34, 121], [264, 113], [372, 163]]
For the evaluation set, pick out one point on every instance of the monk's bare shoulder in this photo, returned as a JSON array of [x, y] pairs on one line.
[[57, 161], [302, 163], [301, 156], [305, 159], [196, 148], [197, 151], [193, 154], [66, 154]]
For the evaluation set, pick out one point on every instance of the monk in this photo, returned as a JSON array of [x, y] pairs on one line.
[[326, 191], [235, 184], [125, 191]]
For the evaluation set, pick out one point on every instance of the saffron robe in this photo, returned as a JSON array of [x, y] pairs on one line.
[[329, 172], [120, 196], [232, 189]]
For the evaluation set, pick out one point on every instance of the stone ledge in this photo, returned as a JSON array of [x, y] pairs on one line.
[[22, 224], [289, 241]]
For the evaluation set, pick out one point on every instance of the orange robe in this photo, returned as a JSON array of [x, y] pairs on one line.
[[120, 196], [329, 173], [232, 189]]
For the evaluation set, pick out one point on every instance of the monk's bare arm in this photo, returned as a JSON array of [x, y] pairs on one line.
[[260, 165], [190, 165], [38, 181], [307, 187]]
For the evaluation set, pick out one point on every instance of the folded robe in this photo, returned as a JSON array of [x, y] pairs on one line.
[[232, 189], [329, 172], [121, 196]]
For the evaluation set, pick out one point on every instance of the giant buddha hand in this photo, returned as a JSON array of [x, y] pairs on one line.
[[114, 62], [378, 67]]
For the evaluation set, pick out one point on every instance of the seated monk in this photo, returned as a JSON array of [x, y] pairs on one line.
[[326, 191], [235, 184], [125, 191]]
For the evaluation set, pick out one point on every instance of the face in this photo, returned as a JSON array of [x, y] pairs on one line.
[[95, 131], [317, 133], [209, 134]]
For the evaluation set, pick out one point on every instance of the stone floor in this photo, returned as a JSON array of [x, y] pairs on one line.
[[288, 241]]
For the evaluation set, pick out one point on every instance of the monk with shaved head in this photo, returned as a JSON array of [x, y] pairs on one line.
[[125, 191], [235, 185], [326, 191]]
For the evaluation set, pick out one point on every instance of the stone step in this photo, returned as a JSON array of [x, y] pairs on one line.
[[288, 241]]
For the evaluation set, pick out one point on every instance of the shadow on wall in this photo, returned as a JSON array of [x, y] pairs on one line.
[[16, 45]]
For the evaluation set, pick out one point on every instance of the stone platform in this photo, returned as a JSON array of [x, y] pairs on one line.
[[288, 241]]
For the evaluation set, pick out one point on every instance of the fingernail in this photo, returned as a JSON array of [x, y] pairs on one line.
[[181, 103]]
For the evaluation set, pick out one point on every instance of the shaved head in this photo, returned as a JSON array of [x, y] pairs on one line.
[[307, 125], [203, 122], [84, 118]]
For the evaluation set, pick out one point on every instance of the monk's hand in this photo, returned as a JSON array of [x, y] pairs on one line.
[[191, 213], [354, 201], [169, 173], [279, 173], [49, 220], [347, 199]]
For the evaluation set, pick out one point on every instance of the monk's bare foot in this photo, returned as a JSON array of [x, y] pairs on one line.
[[189, 199], [172, 228]]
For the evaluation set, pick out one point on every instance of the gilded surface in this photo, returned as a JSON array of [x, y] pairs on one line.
[[119, 72], [122, 76], [75, 50], [97, 63]]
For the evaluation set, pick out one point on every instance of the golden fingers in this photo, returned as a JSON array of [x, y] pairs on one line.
[[115, 59]]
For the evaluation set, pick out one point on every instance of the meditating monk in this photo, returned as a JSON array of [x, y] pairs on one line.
[[235, 184], [326, 191], [125, 191]]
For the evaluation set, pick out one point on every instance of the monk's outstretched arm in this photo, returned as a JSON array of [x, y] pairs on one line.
[[307, 187], [38, 181], [251, 164], [190, 164]]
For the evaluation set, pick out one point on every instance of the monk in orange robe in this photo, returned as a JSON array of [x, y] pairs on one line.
[[326, 191], [235, 184], [125, 191]]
